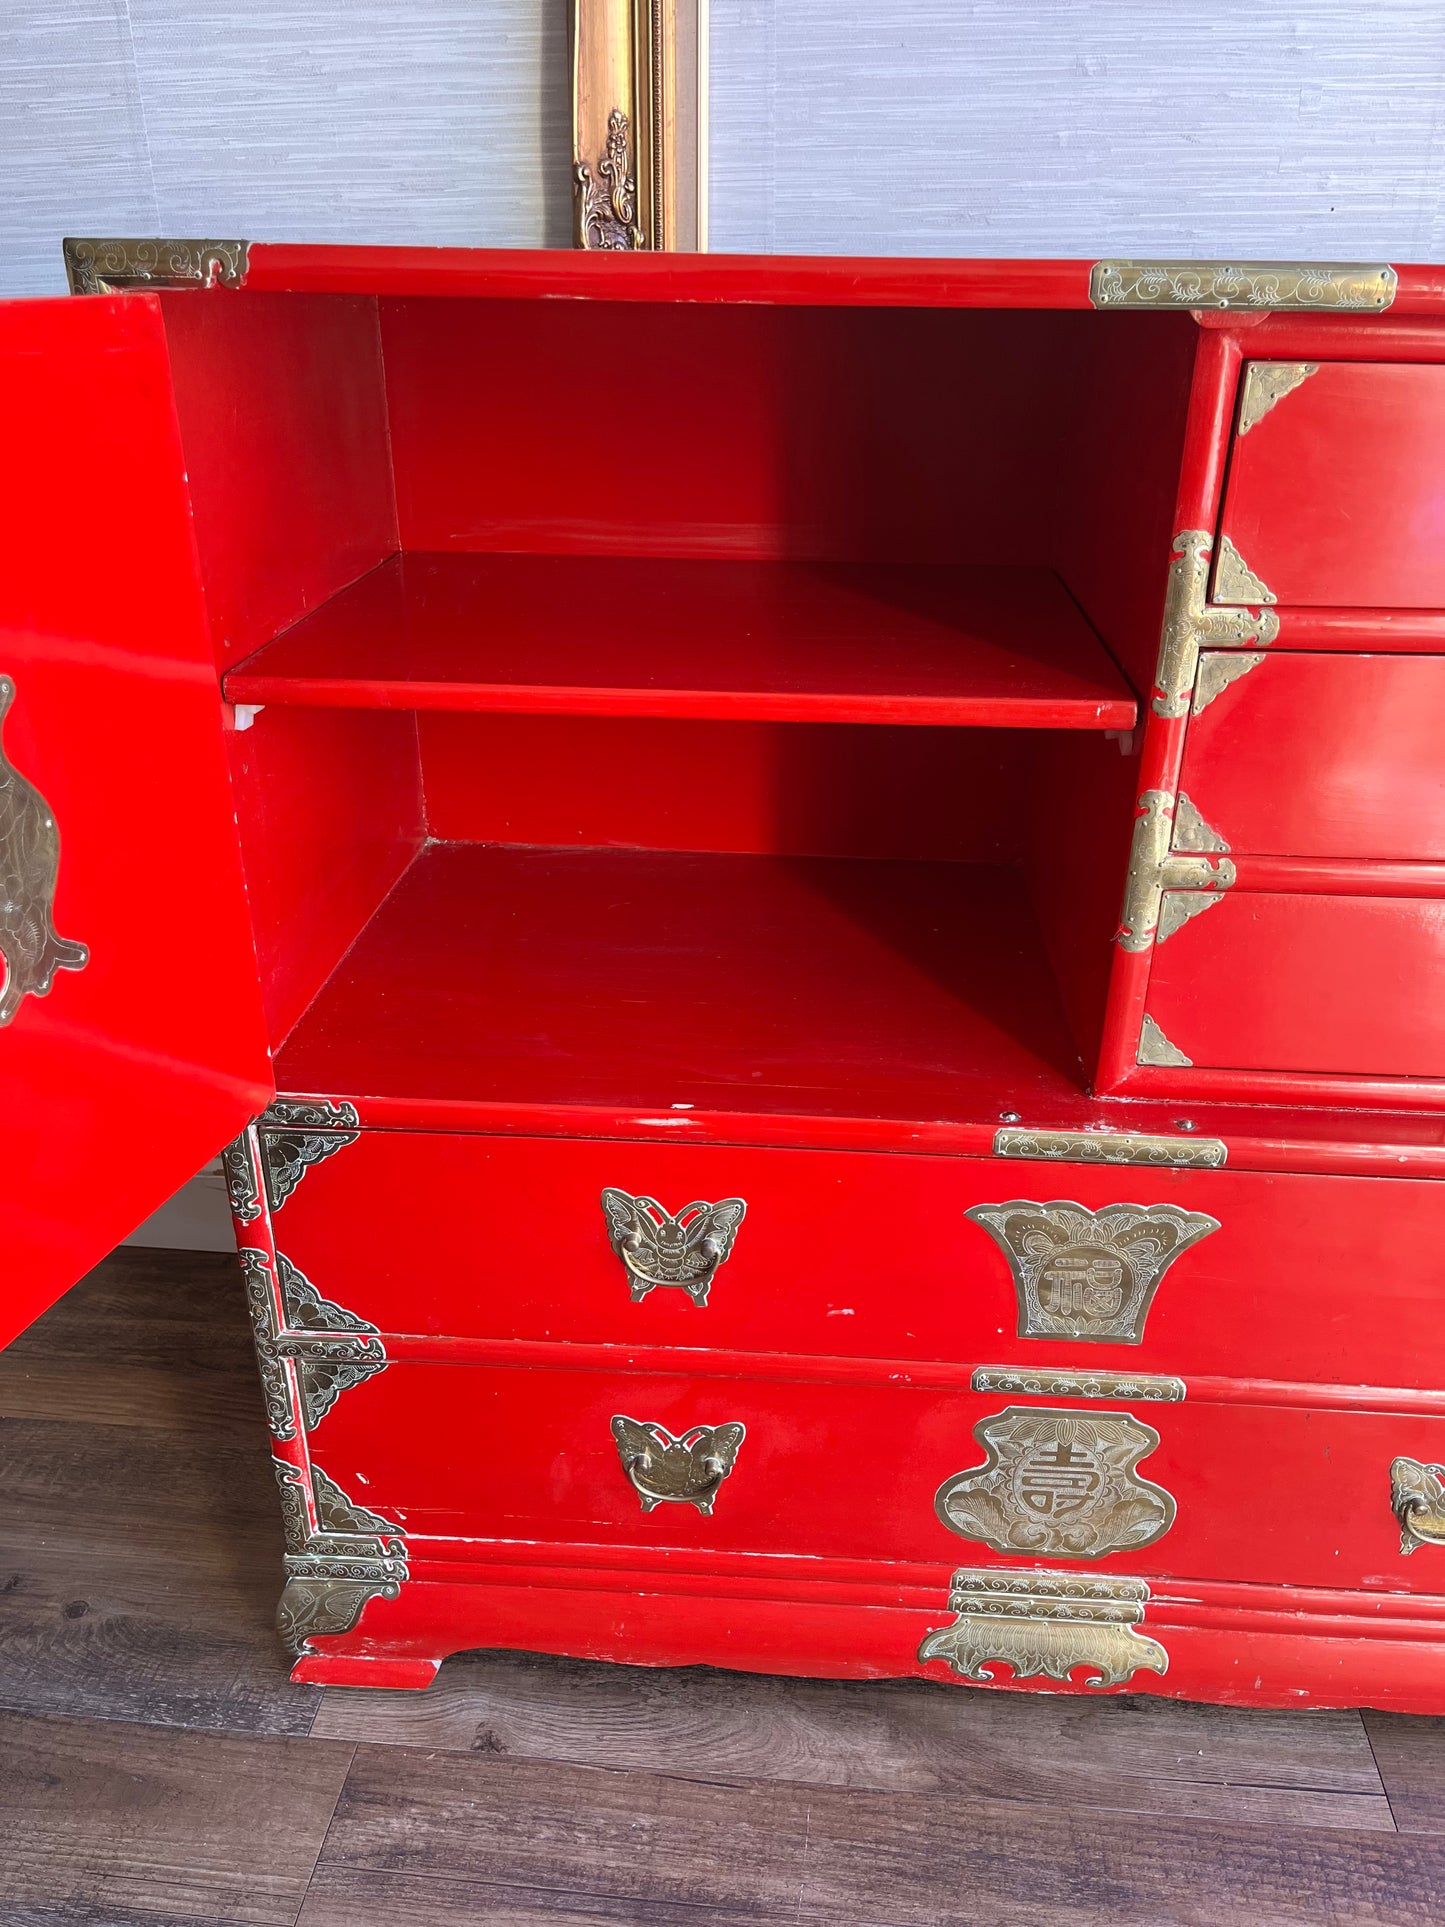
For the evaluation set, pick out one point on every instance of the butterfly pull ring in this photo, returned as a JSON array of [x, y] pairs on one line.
[[686, 1470], [657, 1248]]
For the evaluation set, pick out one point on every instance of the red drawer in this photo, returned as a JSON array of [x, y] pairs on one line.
[[855, 1472], [1323, 756], [868, 1256], [1343, 985], [1336, 493]]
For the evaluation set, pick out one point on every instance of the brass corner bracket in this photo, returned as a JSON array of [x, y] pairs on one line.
[[339, 1556], [1192, 623], [1255, 286], [1152, 911], [122, 266], [638, 125]]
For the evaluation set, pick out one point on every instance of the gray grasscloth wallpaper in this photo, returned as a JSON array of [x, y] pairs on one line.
[[1246, 127], [1269, 128], [424, 121]]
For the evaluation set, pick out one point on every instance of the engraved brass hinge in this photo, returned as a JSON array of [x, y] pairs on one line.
[[118, 266], [1155, 867], [1257, 286], [1192, 623]]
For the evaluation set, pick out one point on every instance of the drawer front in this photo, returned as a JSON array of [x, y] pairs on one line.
[[1350, 986], [1323, 756], [859, 1256], [1336, 493], [871, 1472]]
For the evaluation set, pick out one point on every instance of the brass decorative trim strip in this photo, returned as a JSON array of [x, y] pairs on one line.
[[1091, 1275], [1192, 623], [1046, 1623], [1155, 867], [1254, 285], [1016, 1381], [1265, 385], [1112, 1147], [116, 266], [1155, 1048], [1417, 1498], [310, 1114], [1059, 1485]]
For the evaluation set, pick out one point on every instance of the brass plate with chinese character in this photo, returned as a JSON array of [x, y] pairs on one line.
[[1085, 1274], [1058, 1484]]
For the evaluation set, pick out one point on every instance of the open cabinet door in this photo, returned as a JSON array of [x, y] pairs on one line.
[[131, 1038]]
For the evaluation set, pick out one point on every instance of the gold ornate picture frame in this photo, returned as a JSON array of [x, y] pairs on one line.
[[639, 124]]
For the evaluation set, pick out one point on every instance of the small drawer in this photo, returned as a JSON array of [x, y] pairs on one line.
[[856, 1256], [1321, 755], [879, 1473], [1336, 492], [1345, 986]]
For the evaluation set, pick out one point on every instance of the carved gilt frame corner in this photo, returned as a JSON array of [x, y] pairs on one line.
[[639, 124]]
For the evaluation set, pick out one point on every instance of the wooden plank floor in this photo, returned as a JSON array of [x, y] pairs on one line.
[[156, 1766]]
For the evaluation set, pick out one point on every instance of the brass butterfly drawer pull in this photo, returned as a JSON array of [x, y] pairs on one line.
[[687, 1470], [657, 1248]]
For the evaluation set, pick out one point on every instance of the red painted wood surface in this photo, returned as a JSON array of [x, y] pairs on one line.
[[861, 1257], [1307, 983], [1325, 756], [814, 281], [1213, 383], [121, 1082], [1280, 1658], [330, 812], [845, 434], [452, 1452], [282, 410], [786, 789], [854, 989], [790, 642], [1337, 496], [503, 273]]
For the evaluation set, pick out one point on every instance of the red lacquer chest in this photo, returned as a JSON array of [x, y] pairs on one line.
[[810, 896]]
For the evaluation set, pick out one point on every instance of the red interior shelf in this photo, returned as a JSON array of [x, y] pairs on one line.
[[663, 982], [776, 641]]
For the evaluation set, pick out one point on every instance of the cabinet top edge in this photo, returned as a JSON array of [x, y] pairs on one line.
[[111, 265]]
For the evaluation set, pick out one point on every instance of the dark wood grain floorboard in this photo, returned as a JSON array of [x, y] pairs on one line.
[[139, 1576], [140, 1541], [1410, 1752], [103, 1824], [157, 1339], [1137, 1753], [479, 1839]]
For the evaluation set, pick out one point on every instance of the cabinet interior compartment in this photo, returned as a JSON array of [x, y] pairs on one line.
[[677, 706]]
